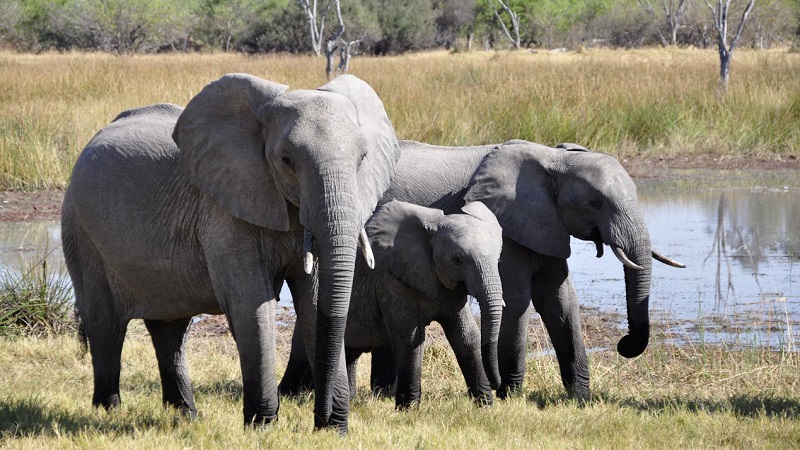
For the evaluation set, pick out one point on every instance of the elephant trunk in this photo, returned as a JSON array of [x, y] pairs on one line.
[[490, 300], [335, 226], [633, 244]]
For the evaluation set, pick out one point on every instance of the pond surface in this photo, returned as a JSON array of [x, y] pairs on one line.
[[739, 236], [737, 233]]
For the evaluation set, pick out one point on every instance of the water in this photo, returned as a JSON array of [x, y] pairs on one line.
[[738, 234]]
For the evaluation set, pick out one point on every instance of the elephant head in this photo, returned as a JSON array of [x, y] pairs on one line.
[[542, 195], [429, 251], [255, 148]]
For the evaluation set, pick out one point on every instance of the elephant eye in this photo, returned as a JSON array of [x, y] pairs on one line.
[[287, 161], [457, 261], [596, 204]]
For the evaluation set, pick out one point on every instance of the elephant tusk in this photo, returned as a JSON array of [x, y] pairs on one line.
[[670, 262], [599, 246], [308, 261], [366, 248], [623, 258]]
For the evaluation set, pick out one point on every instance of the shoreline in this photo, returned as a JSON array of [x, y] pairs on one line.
[[40, 205]]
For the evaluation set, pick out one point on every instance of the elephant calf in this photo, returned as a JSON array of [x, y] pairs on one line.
[[426, 264]]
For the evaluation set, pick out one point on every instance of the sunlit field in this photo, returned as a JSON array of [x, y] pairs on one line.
[[648, 103], [694, 396]]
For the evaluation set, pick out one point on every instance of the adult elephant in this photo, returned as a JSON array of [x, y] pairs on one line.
[[541, 196], [172, 213]]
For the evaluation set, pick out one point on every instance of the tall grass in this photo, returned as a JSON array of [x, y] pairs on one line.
[[627, 103], [36, 301]]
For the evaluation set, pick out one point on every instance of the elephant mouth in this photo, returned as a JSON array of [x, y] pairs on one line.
[[308, 250], [597, 238]]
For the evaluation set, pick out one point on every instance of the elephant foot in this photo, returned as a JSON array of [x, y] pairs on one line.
[[483, 399], [335, 424], [580, 394], [260, 421], [107, 402], [507, 390]]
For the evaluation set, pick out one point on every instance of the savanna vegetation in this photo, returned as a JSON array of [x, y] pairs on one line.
[[382, 26], [634, 104], [692, 396], [654, 103]]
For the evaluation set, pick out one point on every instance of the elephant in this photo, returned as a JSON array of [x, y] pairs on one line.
[[174, 212], [426, 263], [541, 196]]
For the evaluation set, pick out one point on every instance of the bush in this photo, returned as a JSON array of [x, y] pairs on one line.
[[36, 302]]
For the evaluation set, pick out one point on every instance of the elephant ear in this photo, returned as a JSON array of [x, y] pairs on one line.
[[481, 212], [222, 152], [382, 151], [400, 235], [514, 182]]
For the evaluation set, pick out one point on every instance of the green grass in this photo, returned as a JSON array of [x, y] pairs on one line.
[[648, 103], [36, 301], [670, 397]]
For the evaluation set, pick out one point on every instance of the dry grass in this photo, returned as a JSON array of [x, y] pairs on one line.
[[689, 397], [643, 102]]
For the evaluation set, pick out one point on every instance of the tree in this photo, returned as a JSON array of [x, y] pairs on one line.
[[720, 16], [316, 22], [673, 11], [513, 19]]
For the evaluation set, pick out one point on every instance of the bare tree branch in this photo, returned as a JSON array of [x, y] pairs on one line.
[[316, 23], [515, 41], [720, 18]]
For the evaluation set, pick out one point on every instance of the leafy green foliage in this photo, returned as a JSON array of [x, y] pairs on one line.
[[385, 27]]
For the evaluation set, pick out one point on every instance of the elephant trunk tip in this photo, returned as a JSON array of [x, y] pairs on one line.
[[635, 343]]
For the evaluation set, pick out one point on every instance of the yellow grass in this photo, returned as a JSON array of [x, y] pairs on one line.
[[627, 103], [669, 397]]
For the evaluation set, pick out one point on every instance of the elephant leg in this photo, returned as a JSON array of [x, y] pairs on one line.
[[512, 344], [105, 346], [383, 372], [168, 340], [351, 356], [298, 377], [253, 328], [555, 299], [409, 374], [465, 338]]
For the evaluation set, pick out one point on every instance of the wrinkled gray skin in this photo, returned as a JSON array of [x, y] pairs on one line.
[[215, 224], [425, 265], [541, 196]]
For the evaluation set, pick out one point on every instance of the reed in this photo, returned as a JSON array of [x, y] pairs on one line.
[[634, 103]]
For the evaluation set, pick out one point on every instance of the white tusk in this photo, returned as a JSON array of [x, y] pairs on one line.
[[670, 262], [308, 261], [620, 254], [366, 248]]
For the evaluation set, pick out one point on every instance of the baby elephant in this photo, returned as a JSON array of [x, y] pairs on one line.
[[426, 263]]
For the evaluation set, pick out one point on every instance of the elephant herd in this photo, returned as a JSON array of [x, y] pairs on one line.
[[173, 212]]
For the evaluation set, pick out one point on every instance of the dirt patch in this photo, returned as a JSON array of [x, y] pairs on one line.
[[24, 206]]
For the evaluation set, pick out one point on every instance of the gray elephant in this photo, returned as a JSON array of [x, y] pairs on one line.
[[426, 263], [172, 213], [541, 196]]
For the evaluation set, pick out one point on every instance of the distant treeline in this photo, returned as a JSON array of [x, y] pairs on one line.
[[384, 26]]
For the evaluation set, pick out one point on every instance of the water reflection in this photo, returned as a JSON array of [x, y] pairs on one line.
[[738, 234], [24, 245], [740, 244]]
